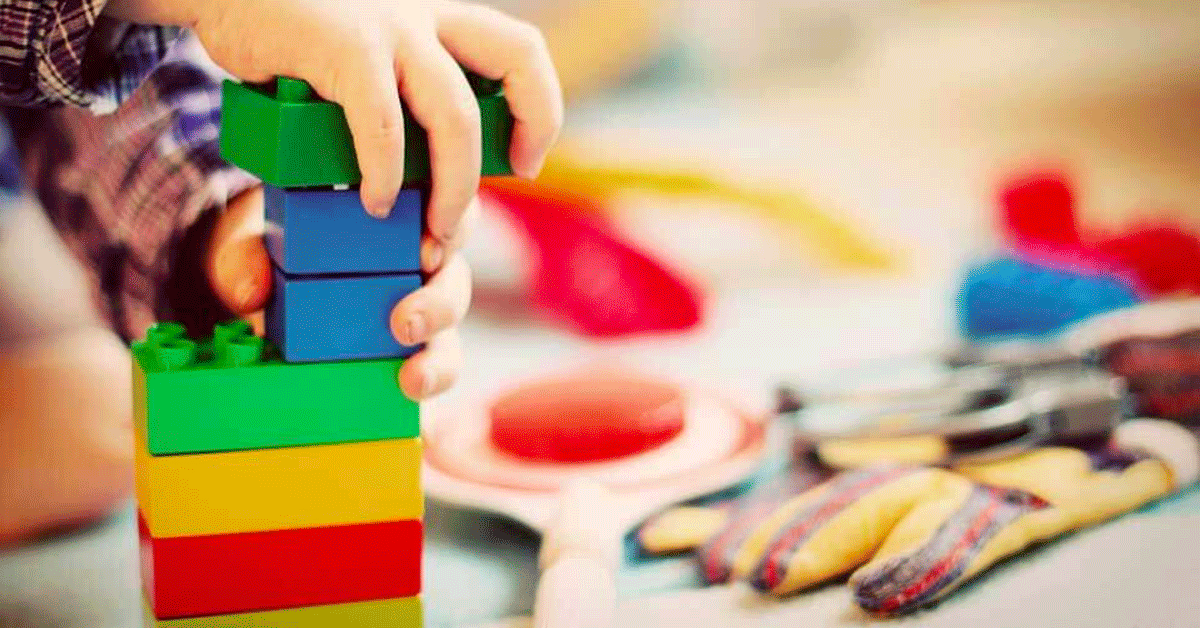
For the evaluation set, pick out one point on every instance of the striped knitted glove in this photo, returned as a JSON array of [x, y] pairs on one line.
[[910, 535]]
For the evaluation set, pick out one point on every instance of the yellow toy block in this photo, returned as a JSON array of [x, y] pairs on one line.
[[279, 489], [397, 613]]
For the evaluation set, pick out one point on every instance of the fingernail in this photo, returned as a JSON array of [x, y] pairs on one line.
[[432, 255], [379, 208], [414, 330], [531, 171], [537, 167]]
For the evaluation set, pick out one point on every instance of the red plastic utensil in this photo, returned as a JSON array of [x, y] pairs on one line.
[[587, 275], [600, 417]]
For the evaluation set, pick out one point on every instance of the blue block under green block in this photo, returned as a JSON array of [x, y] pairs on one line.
[[313, 231], [338, 317]]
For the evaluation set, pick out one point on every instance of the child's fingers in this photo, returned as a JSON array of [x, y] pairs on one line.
[[435, 252], [498, 46], [433, 370], [438, 305], [364, 83], [441, 100], [237, 265]]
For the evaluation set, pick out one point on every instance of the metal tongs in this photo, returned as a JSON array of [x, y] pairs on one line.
[[994, 400], [984, 407]]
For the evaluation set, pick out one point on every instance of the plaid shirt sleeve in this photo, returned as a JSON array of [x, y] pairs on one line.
[[129, 190], [64, 52]]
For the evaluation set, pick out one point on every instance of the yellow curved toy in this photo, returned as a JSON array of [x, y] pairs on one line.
[[835, 242]]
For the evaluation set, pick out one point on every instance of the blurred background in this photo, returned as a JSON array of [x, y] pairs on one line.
[[845, 164], [763, 191], [899, 121]]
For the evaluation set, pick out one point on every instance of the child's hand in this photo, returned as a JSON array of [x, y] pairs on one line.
[[374, 57], [368, 54], [239, 271]]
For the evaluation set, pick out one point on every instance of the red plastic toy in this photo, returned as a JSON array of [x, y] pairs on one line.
[[588, 276], [1038, 217]]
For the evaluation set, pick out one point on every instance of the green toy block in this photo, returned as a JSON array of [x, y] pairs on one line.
[[483, 86], [496, 124], [232, 392], [287, 136]]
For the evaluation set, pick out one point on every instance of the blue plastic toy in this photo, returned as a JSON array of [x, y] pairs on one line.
[[315, 231], [338, 317], [1008, 298]]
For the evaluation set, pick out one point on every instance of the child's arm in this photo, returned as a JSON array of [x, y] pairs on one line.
[[62, 52], [134, 194], [375, 58]]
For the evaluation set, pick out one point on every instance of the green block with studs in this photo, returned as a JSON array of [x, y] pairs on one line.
[[286, 135], [232, 392]]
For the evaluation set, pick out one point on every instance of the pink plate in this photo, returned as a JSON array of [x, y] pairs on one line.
[[718, 446]]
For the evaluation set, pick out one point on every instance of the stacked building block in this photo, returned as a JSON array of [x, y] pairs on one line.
[[278, 479], [330, 256]]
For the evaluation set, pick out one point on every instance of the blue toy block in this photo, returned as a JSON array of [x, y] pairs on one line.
[[318, 231], [1008, 298], [337, 317]]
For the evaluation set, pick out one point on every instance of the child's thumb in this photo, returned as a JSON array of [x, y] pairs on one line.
[[238, 268]]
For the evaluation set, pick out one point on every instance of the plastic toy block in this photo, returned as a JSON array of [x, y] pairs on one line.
[[397, 613], [259, 571], [1007, 298], [233, 392], [484, 86], [278, 489], [289, 137], [325, 231], [496, 127], [339, 317]]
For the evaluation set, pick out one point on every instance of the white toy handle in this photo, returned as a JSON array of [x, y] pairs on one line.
[[575, 592], [580, 555]]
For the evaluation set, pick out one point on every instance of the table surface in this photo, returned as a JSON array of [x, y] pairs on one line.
[[1137, 571]]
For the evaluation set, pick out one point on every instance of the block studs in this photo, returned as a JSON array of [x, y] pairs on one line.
[[167, 347], [292, 90]]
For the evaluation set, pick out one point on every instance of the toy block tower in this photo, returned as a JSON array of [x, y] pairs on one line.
[[278, 478]]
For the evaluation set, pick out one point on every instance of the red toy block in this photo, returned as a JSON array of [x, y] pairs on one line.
[[257, 571]]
